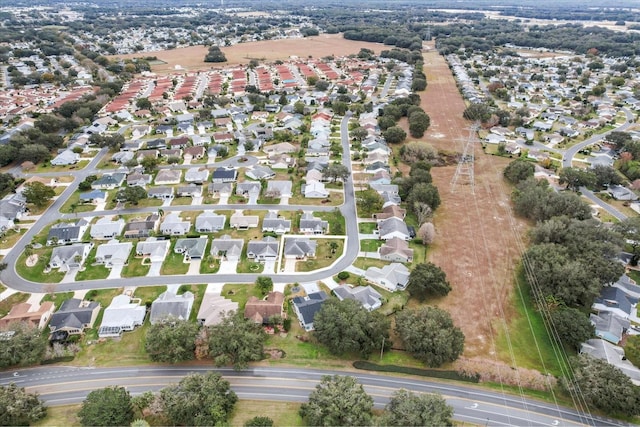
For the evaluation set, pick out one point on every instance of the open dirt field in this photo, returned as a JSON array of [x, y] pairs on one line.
[[191, 58], [476, 245]]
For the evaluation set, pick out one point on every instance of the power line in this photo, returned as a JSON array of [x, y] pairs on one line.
[[466, 161]]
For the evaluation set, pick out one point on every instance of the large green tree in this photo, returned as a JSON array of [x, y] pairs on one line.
[[38, 193], [428, 333], [534, 199], [577, 177], [604, 386], [394, 135], [171, 342], [518, 170], [428, 280], [110, 406], [411, 409], [347, 327], [573, 326], [131, 194], [198, 400], [369, 202], [19, 408], [26, 346], [338, 401], [236, 341]]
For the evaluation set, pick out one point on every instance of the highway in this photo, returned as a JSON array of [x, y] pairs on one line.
[[58, 385], [12, 279]]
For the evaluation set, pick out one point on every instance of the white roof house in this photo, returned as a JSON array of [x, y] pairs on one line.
[[393, 277], [124, 314], [170, 305]]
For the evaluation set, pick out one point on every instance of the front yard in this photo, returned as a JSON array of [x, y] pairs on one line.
[[10, 237], [367, 227], [327, 252], [36, 273], [90, 270], [174, 263], [135, 267]]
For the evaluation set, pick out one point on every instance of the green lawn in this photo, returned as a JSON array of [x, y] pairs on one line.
[[247, 266], [46, 167], [370, 245], [240, 293], [57, 298], [365, 263], [198, 295], [135, 267], [10, 238], [126, 351], [174, 263], [61, 416], [419, 252], [91, 271], [36, 273], [282, 413], [367, 227], [73, 205], [209, 265], [336, 221], [324, 255], [181, 201], [148, 293]]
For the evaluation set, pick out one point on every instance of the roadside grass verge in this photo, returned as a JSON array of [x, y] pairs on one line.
[[10, 238]]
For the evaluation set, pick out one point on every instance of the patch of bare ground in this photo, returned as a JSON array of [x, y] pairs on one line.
[[192, 58], [477, 243]]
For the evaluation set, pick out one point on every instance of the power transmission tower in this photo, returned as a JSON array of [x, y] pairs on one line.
[[466, 160]]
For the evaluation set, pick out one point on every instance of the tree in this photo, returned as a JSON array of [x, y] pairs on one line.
[[339, 107], [428, 280], [236, 341], [429, 335], [171, 341], [298, 107], [419, 122], [475, 112], [150, 164], [109, 406], [215, 55], [423, 193], [336, 171], [606, 176], [632, 349], [415, 151], [198, 400], [19, 408], [534, 199], [604, 386], [411, 409], [630, 229], [347, 327], [337, 401], [38, 193], [394, 135], [131, 194], [259, 422], [25, 347], [369, 202], [322, 85], [36, 153], [264, 284], [8, 183], [359, 133], [518, 170], [143, 104], [619, 139], [573, 326], [427, 233], [418, 85], [576, 178]]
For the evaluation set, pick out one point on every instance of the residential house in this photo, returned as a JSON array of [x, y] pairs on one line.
[[368, 297], [196, 152], [34, 314], [154, 249], [390, 211], [113, 253], [393, 277], [72, 318], [171, 152], [168, 176], [197, 175], [307, 307], [174, 225], [65, 158], [224, 175], [248, 189], [122, 157], [260, 172], [147, 154], [163, 193], [314, 190], [106, 228], [309, 224], [191, 190], [13, 206], [170, 306], [609, 326], [220, 189], [123, 314], [615, 300], [263, 250], [612, 354], [181, 142], [281, 161], [109, 181], [213, 308], [396, 250], [63, 233], [227, 247], [393, 227], [274, 223], [65, 258], [93, 196], [280, 148], [299, 248], [138, 228], [240, 221], [619, 192], [208, 222], [191, 247], [278, 189], [261, 310], [139, 179]]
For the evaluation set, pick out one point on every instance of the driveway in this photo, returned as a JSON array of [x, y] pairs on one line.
[[197, 200], [269, 267], [194, 266], [224, 200], [284, 200], [70, 276], [155, 268], [355, 270], [115, 272], [253, 199], [290, 265], [228, 267], [166, 202]]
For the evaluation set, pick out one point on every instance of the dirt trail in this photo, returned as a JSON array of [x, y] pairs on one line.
[[475, 244]]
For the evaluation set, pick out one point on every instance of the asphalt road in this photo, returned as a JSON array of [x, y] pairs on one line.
[[12, 279], [59, 385]]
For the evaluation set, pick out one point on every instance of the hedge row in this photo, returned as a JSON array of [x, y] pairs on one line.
[[433, 373]]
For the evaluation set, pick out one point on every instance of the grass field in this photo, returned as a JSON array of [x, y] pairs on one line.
[[7, 303], [240, 293], [36, 273], [10, 238]]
